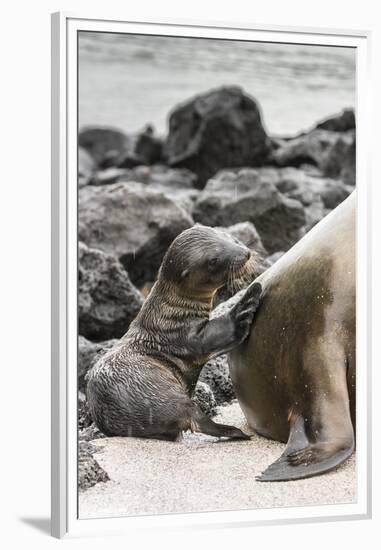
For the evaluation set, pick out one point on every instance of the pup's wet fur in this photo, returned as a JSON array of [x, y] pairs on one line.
[[143, 386]]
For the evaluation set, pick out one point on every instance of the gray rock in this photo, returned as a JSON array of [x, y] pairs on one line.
[[216, 375], [86, 167], [84, 417], [88, 353], [252, 195], [164, 177], [310, 148], [334, 153], [109, 176], [204, 398], [148, 147], [339, 123], [248, 235], [218, 129], [334, 193], [89, 471], [340, 161], [314, 212], [90, 432], [107, 300], [127, 160], [100, 141], [317, 193], [87, 430], [306, 187], [177, 184], [132, 222], [112, 158]]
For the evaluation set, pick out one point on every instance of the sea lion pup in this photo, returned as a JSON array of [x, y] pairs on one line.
[[143, 386], [294, 375]]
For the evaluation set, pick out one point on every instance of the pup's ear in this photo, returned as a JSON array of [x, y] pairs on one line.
[[184, 273]]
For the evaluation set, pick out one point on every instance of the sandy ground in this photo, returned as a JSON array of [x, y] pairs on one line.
[[201, 473]]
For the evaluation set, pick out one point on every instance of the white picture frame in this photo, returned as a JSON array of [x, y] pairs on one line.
[[65, 520]]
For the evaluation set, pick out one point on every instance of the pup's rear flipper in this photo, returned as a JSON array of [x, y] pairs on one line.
[[302, 459], [202, 423]]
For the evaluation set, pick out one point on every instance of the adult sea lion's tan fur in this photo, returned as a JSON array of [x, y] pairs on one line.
[[143, 386], [295, 374]]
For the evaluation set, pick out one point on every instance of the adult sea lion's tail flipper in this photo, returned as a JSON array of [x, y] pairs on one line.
[[303, 458]]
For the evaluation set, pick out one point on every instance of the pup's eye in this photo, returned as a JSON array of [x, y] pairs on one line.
[[212, 263]]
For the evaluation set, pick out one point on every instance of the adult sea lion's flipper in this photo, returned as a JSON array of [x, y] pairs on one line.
[[303, 458]]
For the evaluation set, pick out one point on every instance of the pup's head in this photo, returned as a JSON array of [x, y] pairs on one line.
[[203, 259]]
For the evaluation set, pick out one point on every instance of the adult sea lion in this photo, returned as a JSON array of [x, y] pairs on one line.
[[143, 386], [295, 374]]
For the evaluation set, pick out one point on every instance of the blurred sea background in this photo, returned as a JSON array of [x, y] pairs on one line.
[[127, 81]]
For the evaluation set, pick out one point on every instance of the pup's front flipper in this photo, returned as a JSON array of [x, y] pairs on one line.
[[224, 333], [243, 312]]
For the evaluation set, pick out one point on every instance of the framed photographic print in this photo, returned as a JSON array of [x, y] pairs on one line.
[[211, 281]]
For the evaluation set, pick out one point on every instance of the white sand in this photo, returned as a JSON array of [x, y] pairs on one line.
[[202, 473]]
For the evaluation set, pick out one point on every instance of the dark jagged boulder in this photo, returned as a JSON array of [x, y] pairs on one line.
[[148, 147], [89, 471], [87, 430], [282, 226], [107, 300], [101, 142], [334, 193], [333, 153], [215, 374], [84, 416], [90, 432], [133, 223], [317, 193], [205, 399], [310, 148], [340, 161], [218, 129], [127, 160], [251, 195], [339, 123]]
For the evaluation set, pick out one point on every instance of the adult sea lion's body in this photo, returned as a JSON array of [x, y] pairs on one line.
[[295, 374], [143, 386]]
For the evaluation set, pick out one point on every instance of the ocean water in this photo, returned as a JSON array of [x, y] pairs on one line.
[[127, 81]]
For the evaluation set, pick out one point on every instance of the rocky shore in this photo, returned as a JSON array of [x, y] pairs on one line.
[[217, 166]]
